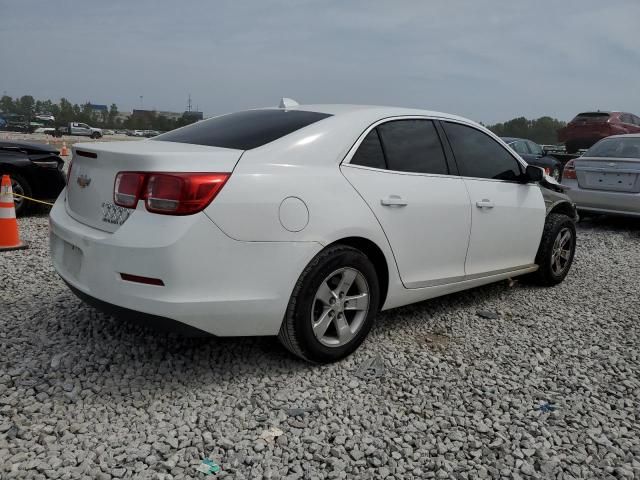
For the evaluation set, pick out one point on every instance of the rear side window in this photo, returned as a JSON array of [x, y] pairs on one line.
[[243, 130], [480, 156], [413, 146], [519, 146], [369, 153]]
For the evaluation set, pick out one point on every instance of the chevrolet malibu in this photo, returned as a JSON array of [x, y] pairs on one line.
[[304, 221]]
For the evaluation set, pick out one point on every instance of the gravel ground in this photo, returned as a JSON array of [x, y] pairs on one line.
[[499, 382]]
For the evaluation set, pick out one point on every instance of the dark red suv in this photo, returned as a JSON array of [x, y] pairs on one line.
[[589, 127]]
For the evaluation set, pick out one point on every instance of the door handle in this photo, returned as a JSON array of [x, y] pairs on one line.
[[394, 201], [485, 203]]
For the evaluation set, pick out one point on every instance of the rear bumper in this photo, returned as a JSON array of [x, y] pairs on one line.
[[211, 282], [599, 201]]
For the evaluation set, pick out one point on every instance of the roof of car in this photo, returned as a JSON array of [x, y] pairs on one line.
[[625, 135], [374, 111]]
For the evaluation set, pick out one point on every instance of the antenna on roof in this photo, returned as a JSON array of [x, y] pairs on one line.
[[287, 103]]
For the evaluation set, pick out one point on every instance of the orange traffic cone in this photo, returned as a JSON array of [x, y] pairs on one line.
[[65, 151], [9, 236]]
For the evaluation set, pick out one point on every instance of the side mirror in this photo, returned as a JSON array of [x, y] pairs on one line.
[[534, 174]]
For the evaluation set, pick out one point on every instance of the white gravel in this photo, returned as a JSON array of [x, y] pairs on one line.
[[548, 389]]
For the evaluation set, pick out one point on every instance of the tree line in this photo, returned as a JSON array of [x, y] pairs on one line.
[[543, 130], [64, 112]]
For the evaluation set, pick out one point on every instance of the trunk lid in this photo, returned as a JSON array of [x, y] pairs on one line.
[[610, 174], [95, 165]]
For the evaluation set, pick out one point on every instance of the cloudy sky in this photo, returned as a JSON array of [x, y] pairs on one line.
[[490, 60]]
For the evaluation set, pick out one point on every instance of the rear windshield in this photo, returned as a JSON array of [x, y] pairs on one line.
[[243, 130], [591, 117], [622, 147]]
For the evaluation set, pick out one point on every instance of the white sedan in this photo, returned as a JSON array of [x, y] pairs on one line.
[[304, 221]]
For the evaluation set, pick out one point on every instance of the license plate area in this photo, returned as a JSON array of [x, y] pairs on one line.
[[67, 255], [611, 181]]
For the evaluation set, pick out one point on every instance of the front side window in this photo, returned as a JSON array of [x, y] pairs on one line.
[[413, 146], [480, 156]]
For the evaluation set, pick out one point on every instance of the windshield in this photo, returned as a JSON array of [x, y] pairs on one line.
[[621, 147]]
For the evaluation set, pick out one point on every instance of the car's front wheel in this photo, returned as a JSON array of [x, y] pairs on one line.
[[332, 307], [556, 251]]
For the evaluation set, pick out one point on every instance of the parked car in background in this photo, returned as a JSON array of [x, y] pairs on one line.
[[14, 122], [46, 130], [80, 129], [108, 132], [35, 170], [589, 127], [296, 222], [606, 179], [534, 154]]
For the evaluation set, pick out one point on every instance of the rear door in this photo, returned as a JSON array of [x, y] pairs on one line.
[[400, 170], [507, 216]]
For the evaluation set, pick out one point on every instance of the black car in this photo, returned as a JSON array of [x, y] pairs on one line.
[[534, 154], [35, 170]]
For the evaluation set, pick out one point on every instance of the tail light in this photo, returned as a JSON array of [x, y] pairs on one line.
[[128, 186], [168, 193], [569, 171]]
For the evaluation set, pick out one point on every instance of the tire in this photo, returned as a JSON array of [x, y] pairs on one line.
[[309, 305], [553, 268], [20, 185], [95, 135]]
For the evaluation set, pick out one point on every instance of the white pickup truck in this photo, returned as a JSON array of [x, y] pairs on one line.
[[80, 129]]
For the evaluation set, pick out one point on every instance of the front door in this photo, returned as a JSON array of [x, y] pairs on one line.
[[401, 172], [507, 215]]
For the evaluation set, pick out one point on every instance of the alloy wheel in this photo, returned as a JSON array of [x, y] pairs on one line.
[[340, 307], [561, 252]]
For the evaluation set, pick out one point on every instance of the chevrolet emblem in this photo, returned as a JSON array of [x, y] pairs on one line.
[[83, 181]]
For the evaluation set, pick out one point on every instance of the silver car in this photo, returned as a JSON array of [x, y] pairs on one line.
[[606, 179]]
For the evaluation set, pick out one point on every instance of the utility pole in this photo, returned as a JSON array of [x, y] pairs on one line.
[[141, 103], [189, 104]]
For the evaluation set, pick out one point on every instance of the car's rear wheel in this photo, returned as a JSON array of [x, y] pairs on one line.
[[556, 251], [95, 135], [20, 186], [332, 307]]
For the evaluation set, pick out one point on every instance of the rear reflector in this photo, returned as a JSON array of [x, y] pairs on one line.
[[84, 153], [138, 279], [168, 193]]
